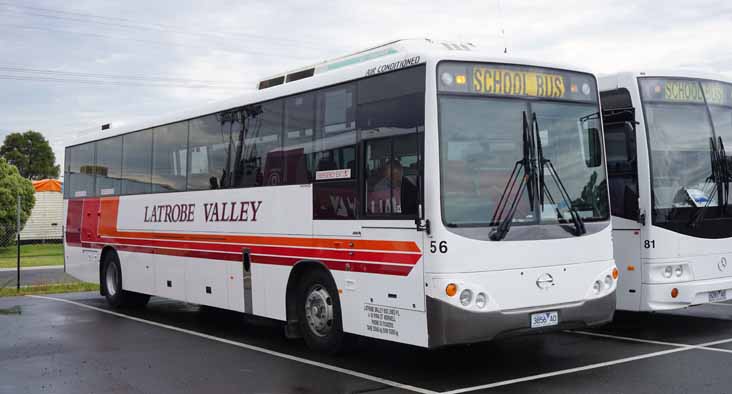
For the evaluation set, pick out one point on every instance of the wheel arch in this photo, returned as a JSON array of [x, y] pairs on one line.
[[297, 272]]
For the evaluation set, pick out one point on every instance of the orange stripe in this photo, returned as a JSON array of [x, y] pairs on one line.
[[109, 208]]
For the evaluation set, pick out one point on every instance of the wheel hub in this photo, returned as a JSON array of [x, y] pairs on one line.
[[319, 310]]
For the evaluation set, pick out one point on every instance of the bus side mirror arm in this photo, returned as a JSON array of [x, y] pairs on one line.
[[423, 225]]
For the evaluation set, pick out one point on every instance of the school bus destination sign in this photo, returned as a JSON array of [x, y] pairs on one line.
[[516, 81]]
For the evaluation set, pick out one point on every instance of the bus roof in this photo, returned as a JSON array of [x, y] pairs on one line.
[[381, 58]]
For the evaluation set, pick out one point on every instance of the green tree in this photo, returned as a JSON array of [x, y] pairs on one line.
[[31, 154], [12, 185]]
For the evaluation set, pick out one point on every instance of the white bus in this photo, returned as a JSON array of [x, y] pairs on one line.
[[419, 192], [665, 134]]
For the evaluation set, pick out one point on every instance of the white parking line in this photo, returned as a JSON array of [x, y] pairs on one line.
[[250, 347], [678, 348], [42, 267], [597, 334]]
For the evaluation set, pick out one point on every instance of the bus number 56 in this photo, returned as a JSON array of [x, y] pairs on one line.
[[442, 247]]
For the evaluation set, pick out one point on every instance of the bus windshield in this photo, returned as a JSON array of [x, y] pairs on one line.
[[683, 118], [481, 109]]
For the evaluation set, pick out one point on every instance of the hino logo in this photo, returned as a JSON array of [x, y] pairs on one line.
[[722, 265], [545, 281]]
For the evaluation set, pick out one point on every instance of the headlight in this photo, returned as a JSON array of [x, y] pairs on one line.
[[480, 300], [446, 79], [465, 297], [668, 272], [597, 286], [679, 271], [608, 282]]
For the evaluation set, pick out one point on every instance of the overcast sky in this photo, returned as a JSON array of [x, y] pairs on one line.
[[151, 53]]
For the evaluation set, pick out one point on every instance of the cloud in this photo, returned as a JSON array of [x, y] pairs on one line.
[[234, 43]]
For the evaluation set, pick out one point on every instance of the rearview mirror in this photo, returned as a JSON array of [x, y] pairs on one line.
[[593, 157]]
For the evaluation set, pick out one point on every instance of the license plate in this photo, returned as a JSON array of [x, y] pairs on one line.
[[716, 296], [544, 319]]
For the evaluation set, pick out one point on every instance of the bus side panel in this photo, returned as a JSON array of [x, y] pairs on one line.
[[170, 278], [78, 264], [626, 247], [206, 282], [138, 273], [269, 288]]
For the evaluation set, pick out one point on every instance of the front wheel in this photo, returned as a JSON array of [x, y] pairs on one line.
[[319, 312], [111, 281]]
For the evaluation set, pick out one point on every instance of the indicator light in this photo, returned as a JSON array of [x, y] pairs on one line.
[[460, 79], [573, 88], [616, 273], [674, 292], [451, 290]]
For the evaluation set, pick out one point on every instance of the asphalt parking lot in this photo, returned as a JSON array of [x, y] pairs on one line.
[[74, 344]]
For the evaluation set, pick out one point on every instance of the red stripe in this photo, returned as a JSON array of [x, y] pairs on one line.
[[319, 254], [384, 269]]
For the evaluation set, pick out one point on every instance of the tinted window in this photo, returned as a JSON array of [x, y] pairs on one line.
[[210, 150], [136, 162], [298, 138], [392, 175], [80, 181], [622, 169], [109, 166], [170, 154], [335, 145], [258, 146]]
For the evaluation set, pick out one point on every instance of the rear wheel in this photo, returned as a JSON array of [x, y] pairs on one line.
[[111, 279], [319, 312]]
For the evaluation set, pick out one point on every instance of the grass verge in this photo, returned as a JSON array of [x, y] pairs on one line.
[[49, 289], [32, 255]]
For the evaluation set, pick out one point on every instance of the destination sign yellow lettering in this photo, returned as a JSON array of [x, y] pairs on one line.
[[517, 83], [683, 91], [714, 92]]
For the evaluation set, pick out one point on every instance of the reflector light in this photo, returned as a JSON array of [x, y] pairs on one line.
[[616, 273], [674, 292], [631, 268], [451, 290]]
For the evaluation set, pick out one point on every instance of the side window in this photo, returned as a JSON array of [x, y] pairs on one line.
[[258, 146], [109, 166], [170, 153], [67, 173], [336, 186], [81, 171], [137, 162], [390, 115], [620, 149], [393, 175], [622, 169], [210, 151], [297, 153]]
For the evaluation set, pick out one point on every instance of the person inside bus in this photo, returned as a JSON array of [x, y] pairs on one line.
[[393, 193]]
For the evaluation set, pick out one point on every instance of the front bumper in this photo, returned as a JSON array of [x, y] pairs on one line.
[[657, 297], [450, 325]]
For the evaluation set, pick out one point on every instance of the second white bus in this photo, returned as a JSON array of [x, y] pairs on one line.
[[666, 134]]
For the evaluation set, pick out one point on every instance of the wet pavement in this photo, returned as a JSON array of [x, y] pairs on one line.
[[52, 346]]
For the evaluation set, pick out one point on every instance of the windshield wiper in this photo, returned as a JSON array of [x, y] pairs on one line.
[[720, 176], [579, 224], [527, 164]]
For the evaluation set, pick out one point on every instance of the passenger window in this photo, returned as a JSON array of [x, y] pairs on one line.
[[622, 169], [137, 162], [170, 155], [109, 166], [258, 146], [80, 182], [392, 175], [297, 153], [210, 150]]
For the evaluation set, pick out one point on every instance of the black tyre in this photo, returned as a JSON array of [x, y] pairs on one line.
[[111, 282], [319, 312]]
